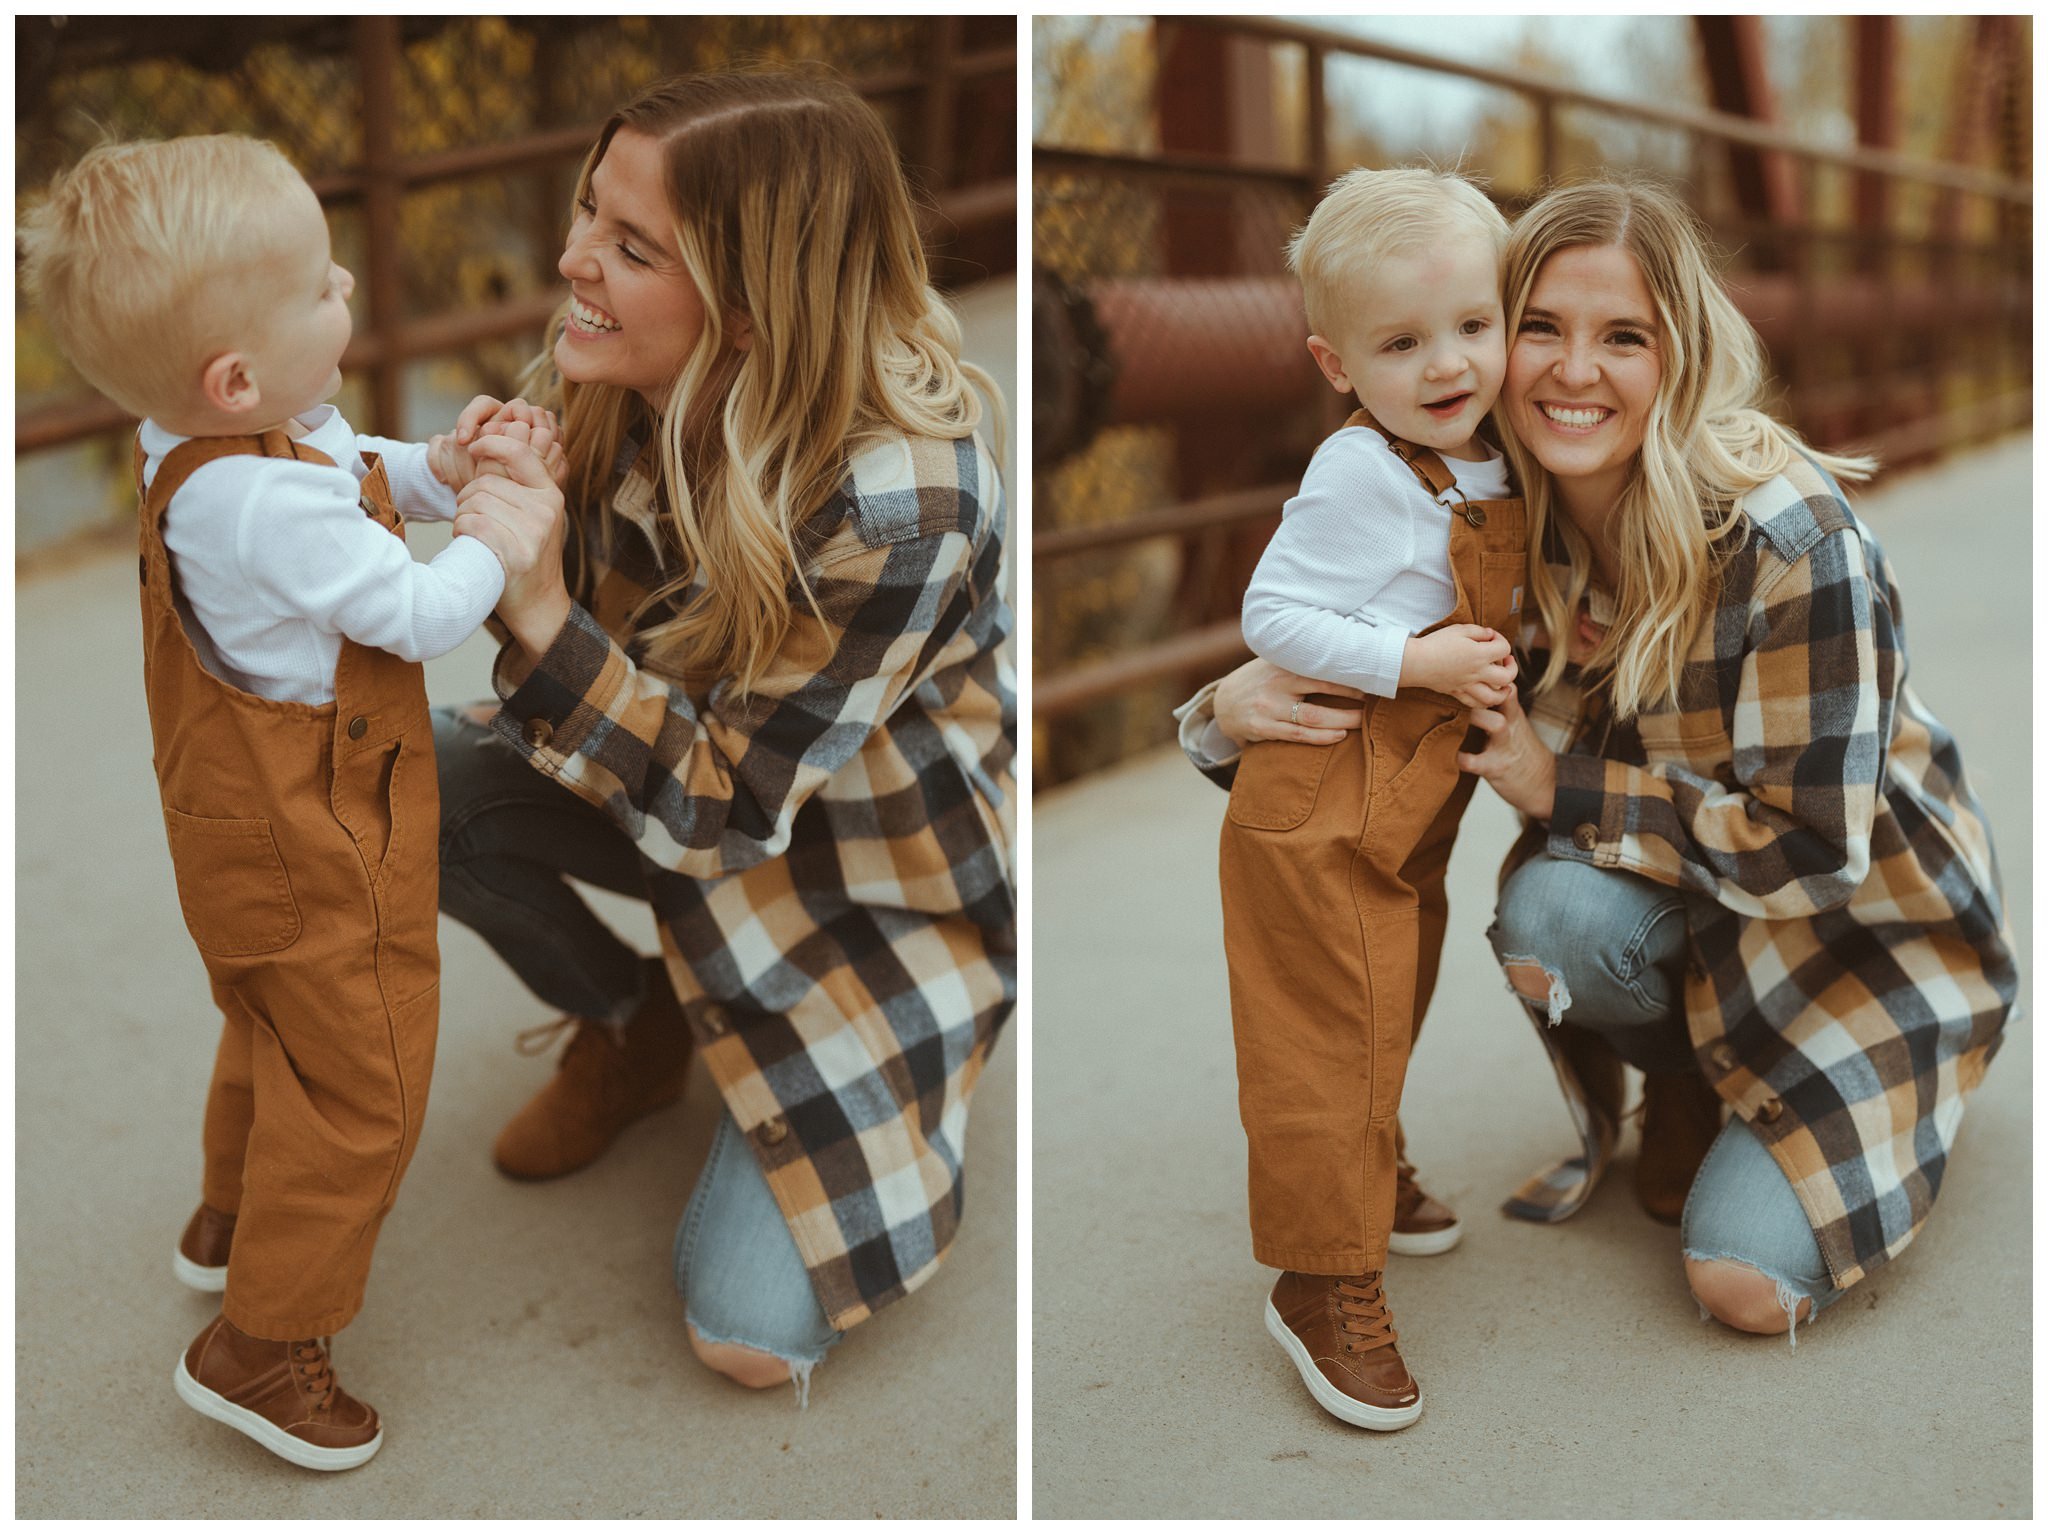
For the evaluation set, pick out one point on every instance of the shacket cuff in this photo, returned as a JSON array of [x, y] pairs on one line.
[[1585, 820], [547, 714], [1212, 752]]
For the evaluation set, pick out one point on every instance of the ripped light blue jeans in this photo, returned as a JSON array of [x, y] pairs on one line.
[[1614, 945], [511, 840]]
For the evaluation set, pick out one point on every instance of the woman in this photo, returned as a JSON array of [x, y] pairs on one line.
[[758, 685], [1751, 865]]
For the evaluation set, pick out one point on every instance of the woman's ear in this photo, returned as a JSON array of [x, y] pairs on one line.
[[228, 386], [741, 329]]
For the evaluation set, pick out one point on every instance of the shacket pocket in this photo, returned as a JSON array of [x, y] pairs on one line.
[[232, 886]]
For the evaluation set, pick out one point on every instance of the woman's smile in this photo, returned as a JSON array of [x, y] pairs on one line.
[[590, 320], [1574, 420]]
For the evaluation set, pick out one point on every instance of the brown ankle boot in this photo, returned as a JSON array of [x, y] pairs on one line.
[[604, 1081], [282, 1395], [1681, 1117], [201, 1256], [1340, 1336]]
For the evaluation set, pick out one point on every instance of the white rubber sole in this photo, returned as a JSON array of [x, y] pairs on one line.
[[1426, 1244], [1380, 1419], [274, 1439], [197, 1275]]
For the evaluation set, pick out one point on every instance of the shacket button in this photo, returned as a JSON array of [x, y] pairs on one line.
[[1723, 1056], [774, 1132], [716, 1019], [538, 732], [1770, 1109], [1585, 836], [358, 728]]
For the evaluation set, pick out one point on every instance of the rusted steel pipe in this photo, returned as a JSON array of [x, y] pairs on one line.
[[1173, 347], [1208, 650]]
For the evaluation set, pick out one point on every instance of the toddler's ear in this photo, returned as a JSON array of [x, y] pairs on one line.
[[228, 386], [1332, 365]]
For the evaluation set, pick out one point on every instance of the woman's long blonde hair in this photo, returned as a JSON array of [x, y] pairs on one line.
[[791, 212], [1706, 445]]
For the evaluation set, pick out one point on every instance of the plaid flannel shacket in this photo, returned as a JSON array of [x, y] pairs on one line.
[[1850, 970], [829, 857]]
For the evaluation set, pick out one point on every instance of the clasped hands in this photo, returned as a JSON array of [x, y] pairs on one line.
[[506, 465]]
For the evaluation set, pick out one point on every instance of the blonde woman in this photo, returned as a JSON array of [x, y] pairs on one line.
[[751, 674], [1752, 866]]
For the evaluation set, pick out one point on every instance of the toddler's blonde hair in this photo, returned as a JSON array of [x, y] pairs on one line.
[[1368, 215], [136, 257]]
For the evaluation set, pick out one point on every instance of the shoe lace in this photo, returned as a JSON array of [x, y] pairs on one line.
[[314, 1370], [1362, 1314]]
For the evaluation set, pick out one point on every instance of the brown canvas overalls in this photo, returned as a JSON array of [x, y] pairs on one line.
[[305, 842], [1333, 862]]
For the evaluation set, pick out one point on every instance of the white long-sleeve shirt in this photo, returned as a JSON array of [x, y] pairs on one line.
[[1361, 561], [276, 562]]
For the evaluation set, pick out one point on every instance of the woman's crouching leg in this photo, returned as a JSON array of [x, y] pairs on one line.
[[1750, 1255], [747, 1298]]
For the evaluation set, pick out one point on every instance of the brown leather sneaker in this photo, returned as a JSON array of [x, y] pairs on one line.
[[1340, 1335], [1423, 1225], [603, 1083], [282, 1395], [201, 1257], [1681, 1117]]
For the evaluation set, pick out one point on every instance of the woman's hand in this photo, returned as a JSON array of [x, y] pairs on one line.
[[516, 509], [537, 429], [1263, 702], [1522, 770]]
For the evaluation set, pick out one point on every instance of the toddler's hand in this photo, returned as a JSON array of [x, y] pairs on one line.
[[536, 428], [449, 464], [1471, 663]]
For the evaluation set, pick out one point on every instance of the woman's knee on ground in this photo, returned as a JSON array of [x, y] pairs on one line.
[[749, 1366], [1742, 1297]]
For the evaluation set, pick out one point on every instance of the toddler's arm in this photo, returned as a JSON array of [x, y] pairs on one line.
[[305, 549], [1342, 538]]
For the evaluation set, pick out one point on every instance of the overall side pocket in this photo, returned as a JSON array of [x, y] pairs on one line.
[[232, 886]]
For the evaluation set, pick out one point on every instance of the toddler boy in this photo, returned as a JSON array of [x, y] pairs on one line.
[[283, 625], [1394, 570]]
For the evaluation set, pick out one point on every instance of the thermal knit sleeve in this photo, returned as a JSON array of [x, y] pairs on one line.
[[712, 787], [304, 549], [1347, 533], [1818, 684]]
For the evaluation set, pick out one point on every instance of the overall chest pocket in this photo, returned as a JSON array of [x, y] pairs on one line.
[[232, 886]]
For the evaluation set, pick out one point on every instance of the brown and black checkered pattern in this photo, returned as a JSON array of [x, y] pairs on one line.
[[829, 857], [1851, 969]]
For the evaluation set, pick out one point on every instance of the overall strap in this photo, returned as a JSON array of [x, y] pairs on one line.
[[1427, 465], [194, 453]]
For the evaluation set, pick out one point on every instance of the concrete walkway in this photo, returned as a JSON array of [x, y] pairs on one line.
[[1565, 1370], [524, 1343]]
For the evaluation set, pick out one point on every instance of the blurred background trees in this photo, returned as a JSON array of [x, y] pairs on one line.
[[464, 245]]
